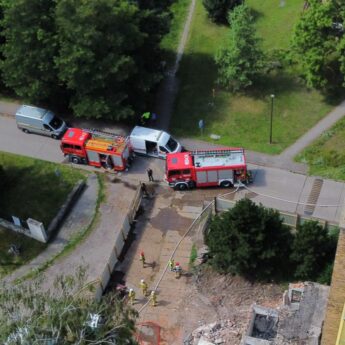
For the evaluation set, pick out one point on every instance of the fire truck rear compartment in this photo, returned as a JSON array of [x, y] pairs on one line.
[[215, 176]]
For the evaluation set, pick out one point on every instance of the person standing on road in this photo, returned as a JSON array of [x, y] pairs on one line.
[[143, 287], [142, 258], [145, 118], [153, 298], [153, 118], [150, 174], [177, 270], [131, 295], [144, 190], [171, 265]]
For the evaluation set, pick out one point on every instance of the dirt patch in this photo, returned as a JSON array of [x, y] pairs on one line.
[[125, 183], [169, 219], [213, 297]]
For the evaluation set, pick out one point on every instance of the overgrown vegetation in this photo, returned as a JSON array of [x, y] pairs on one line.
[[29, 249], [63, 315], [34, 188], [252, 241], [243, 119], [193, 255], [325, 157]]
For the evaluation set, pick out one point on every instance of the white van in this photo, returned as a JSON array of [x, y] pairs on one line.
[[153, 142], [41, 121]]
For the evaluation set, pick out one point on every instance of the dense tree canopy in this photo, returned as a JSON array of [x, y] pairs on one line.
[[97, 42], [62, 316], [30, 47], [249, 240], [103, 56], [218, 9], [319, 42], [240, 60]]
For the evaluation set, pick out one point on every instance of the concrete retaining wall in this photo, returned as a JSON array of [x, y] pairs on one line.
[[290, 219], [65, 208], [118, 245]]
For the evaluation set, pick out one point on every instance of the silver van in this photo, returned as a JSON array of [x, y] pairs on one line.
[[41, 121]]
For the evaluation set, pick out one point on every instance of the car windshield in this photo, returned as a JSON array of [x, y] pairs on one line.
[[55, 123], [171, 144]]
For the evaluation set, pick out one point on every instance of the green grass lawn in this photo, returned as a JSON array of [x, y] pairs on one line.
[[326, 156], [34, 188], [29, 248], [244, 119]]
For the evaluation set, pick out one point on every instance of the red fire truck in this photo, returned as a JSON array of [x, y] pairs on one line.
[[204, 168], [100, 149]]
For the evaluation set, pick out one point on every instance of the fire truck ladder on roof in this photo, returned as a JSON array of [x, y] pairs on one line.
[[98, 133], [221, 152]]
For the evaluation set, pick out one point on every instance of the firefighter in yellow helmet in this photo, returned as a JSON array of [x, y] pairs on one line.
[[142, 258], [131, 296], [153, 298], [171, 265], [143, 287], [178, 270]]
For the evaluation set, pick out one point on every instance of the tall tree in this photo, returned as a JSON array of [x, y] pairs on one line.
[[30, 47], [249, 240], [240, 60], [218, 9], [154, 23], [312, 251], [97, 42], [316, 40], [63, 316]]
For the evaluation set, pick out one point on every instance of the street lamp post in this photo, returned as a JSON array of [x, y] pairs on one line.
[[272, 98]]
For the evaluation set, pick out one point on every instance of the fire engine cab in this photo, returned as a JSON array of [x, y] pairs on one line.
[[204, 168], [96, 148]]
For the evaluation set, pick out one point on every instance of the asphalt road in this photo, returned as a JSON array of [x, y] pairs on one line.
[[272, 187]]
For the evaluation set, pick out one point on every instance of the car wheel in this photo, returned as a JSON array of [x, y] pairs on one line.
[[75, 160], [25, 131], [226, 184], [181, 186]]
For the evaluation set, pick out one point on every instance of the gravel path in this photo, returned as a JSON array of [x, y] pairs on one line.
[[169, 87]]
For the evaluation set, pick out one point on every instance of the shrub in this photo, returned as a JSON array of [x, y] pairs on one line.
[[312, 251], [249, 240]]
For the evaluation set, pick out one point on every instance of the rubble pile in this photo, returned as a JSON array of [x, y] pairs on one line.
[[216, 333]]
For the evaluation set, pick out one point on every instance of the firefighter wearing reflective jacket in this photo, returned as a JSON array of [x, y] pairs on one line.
[[143, 287], [153, 298], [142, 258], [131, 296], [177, 270], [171, 265]]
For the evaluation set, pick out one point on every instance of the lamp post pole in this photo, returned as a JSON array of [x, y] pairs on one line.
[[271, 122]]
